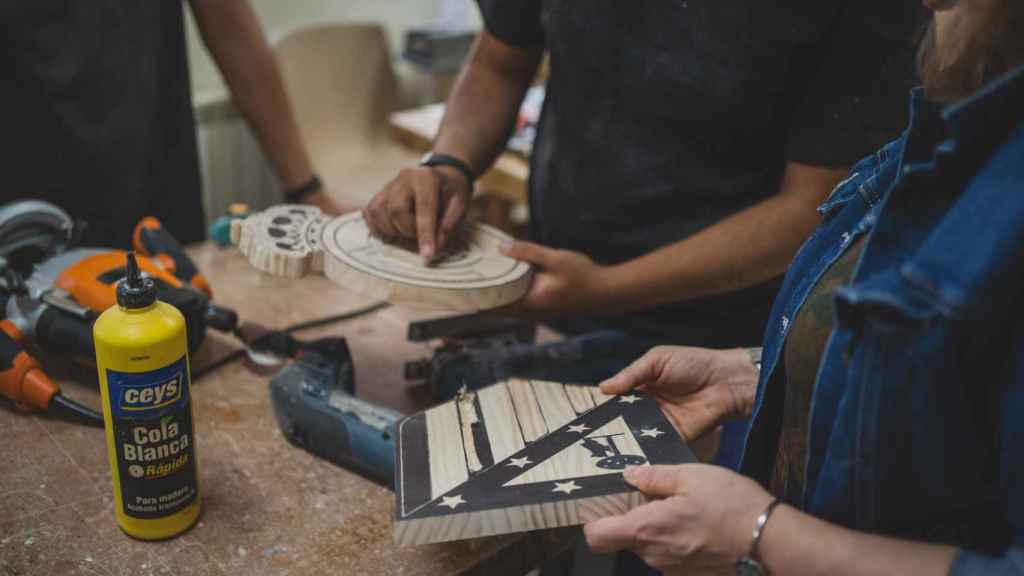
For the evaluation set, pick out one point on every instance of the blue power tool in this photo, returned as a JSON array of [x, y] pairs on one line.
[[315, 405]]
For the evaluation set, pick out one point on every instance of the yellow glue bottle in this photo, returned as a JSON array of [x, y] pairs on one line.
[[142, 358]]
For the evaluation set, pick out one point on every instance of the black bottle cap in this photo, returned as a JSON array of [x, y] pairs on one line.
[[135, 290]]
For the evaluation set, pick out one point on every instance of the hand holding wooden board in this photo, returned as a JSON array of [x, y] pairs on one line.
[[524, 455], [296, 240]]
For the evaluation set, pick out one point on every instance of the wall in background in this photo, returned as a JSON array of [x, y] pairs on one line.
[[233, 166], [279, 16]]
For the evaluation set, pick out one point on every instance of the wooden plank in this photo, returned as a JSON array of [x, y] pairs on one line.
[[580, 397], [528, 414], [524, 518], [444, 445], [503, 431], [599, 398], [570, 475], [554, 403]]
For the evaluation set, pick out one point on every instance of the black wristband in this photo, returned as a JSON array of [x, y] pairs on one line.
[[446, 160], [298, 194]]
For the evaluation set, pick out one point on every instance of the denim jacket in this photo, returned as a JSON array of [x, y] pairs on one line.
[[917, 417]]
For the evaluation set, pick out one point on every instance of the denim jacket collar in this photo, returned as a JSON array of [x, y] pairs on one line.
[[983, 121], [971, 132], [976, 125]]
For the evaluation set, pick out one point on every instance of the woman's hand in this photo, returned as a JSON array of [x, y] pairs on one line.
[[700, 520], [698, 388]]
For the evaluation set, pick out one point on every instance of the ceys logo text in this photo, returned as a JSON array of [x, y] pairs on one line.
[[151, 395]]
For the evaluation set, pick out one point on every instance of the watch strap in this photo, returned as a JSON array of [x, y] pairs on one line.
[[432, 159], [298, 194]]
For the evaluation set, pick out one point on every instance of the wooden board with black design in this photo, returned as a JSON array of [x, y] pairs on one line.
[[470, 274], [524, 455]]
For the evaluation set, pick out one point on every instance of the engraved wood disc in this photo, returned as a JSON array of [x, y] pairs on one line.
[[470, 274]]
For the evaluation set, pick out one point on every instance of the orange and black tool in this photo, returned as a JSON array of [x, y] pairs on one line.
[[92, 280], [153, 240], [23, 381], [92, 283]]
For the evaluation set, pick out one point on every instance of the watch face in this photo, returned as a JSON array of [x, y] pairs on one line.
[[748, 567]]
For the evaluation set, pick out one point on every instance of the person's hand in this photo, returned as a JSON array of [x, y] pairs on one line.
[[699, 522], [327, 204], [564, 281], [425, 204], [697, 388]]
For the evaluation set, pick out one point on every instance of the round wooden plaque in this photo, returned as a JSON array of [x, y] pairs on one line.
[[471, 274]]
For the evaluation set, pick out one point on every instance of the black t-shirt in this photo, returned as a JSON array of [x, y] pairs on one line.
[[97, 114], [662, 118]]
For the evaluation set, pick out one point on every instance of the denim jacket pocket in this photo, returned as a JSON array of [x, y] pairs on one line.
[[905, 384], [887, 333]]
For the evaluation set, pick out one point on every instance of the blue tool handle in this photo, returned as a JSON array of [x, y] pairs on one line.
[[315, 412]]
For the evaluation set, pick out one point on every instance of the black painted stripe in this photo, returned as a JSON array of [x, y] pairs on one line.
[[480, 439], [412, 464]]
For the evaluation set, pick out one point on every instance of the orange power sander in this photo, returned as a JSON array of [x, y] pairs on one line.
[[51, 292]]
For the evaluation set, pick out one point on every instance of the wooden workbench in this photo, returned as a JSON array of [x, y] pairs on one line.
[[268, 507]]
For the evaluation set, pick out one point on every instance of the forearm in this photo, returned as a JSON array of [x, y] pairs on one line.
[[747, 248], [798, 544], [234, 37], [484, 103]]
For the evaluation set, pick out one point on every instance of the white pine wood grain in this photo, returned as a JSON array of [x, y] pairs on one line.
[[580, 397], [444, 446], [554, 403], [528, 414], [499, 416], [598, 397], [515, 519]]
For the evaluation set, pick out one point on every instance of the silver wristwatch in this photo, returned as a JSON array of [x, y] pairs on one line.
[[755, 357], [748, 565]]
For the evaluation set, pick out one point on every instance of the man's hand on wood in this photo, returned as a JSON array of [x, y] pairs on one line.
[[425, 204]]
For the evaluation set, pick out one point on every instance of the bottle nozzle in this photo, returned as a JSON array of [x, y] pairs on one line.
[[134, 277], [136, 290]]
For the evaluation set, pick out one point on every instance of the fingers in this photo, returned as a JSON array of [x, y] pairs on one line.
[[426, 219], [611, 534], [642, 371], [375, 214], [408, 208], [451, 219], [655, 481], [530, 252], [401, 211], [619, 532], [615, 533]]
